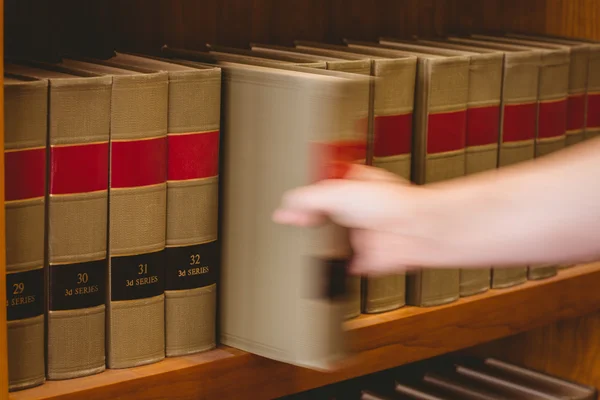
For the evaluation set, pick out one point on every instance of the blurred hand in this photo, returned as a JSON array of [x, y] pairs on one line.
[[378, 207]]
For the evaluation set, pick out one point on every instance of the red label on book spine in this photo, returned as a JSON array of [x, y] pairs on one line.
[[332, 160], [138, 163], [519, 122], [24, 174], [193, 155], [552, 118], [446, 131], [593, 112], [576, 112], [393, 134], [483, 125], [79, 168]]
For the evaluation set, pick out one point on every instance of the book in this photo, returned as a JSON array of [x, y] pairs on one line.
[[354, 284], [392, 104], [25, 142], [76, 218], [516, 143], [279, 127], [137, 213], [438, 150], [192, 201], [482, 128]]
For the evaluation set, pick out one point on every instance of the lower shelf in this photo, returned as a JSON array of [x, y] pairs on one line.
[[377, 342]]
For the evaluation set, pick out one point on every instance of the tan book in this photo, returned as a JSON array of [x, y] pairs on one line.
[[354, 284], [192, 201], [579, 73], [392, 104], [438, 151], [79, 126], [282, 288], [25, 141], [482, 130], [137, 213], [516, 139]]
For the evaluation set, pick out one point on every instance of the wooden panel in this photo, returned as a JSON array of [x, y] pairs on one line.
[[569, 348], [378, 342]]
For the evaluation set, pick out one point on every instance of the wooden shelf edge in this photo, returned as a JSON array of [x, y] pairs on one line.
[[378, 342]]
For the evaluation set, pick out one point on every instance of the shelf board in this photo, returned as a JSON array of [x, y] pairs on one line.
[[377, 342]]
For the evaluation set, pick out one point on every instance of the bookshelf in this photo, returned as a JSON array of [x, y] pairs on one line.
[[548, 324], [378, 342]]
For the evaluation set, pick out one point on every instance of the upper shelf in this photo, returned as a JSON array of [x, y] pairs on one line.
[[378, 342]]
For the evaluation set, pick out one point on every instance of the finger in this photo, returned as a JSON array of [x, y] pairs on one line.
[[298, 218]]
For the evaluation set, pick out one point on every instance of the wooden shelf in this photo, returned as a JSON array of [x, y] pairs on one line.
[[378, 342]]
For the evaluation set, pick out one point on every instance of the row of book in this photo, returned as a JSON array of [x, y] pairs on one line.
[[111, 214], [121, 172], [455, 378]]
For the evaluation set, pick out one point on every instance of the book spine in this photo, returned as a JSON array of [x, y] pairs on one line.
[[77, 221], [592, 124], [578, 73], [137, 220], [552, 121], [518, 132], [439, 154], [25, 141], [482, 137], [393, 112], [192, 211], [552, 109]]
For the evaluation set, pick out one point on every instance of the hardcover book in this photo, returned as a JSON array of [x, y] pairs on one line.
[[25, 142]]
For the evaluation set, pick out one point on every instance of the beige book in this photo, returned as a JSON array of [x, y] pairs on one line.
[[76, 219], [25, 141], [578, 74], [482, 130], [353, 294], [282, 287], [392, 103], [192, 201], [137, 213], [438, 151], [334, 64]]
